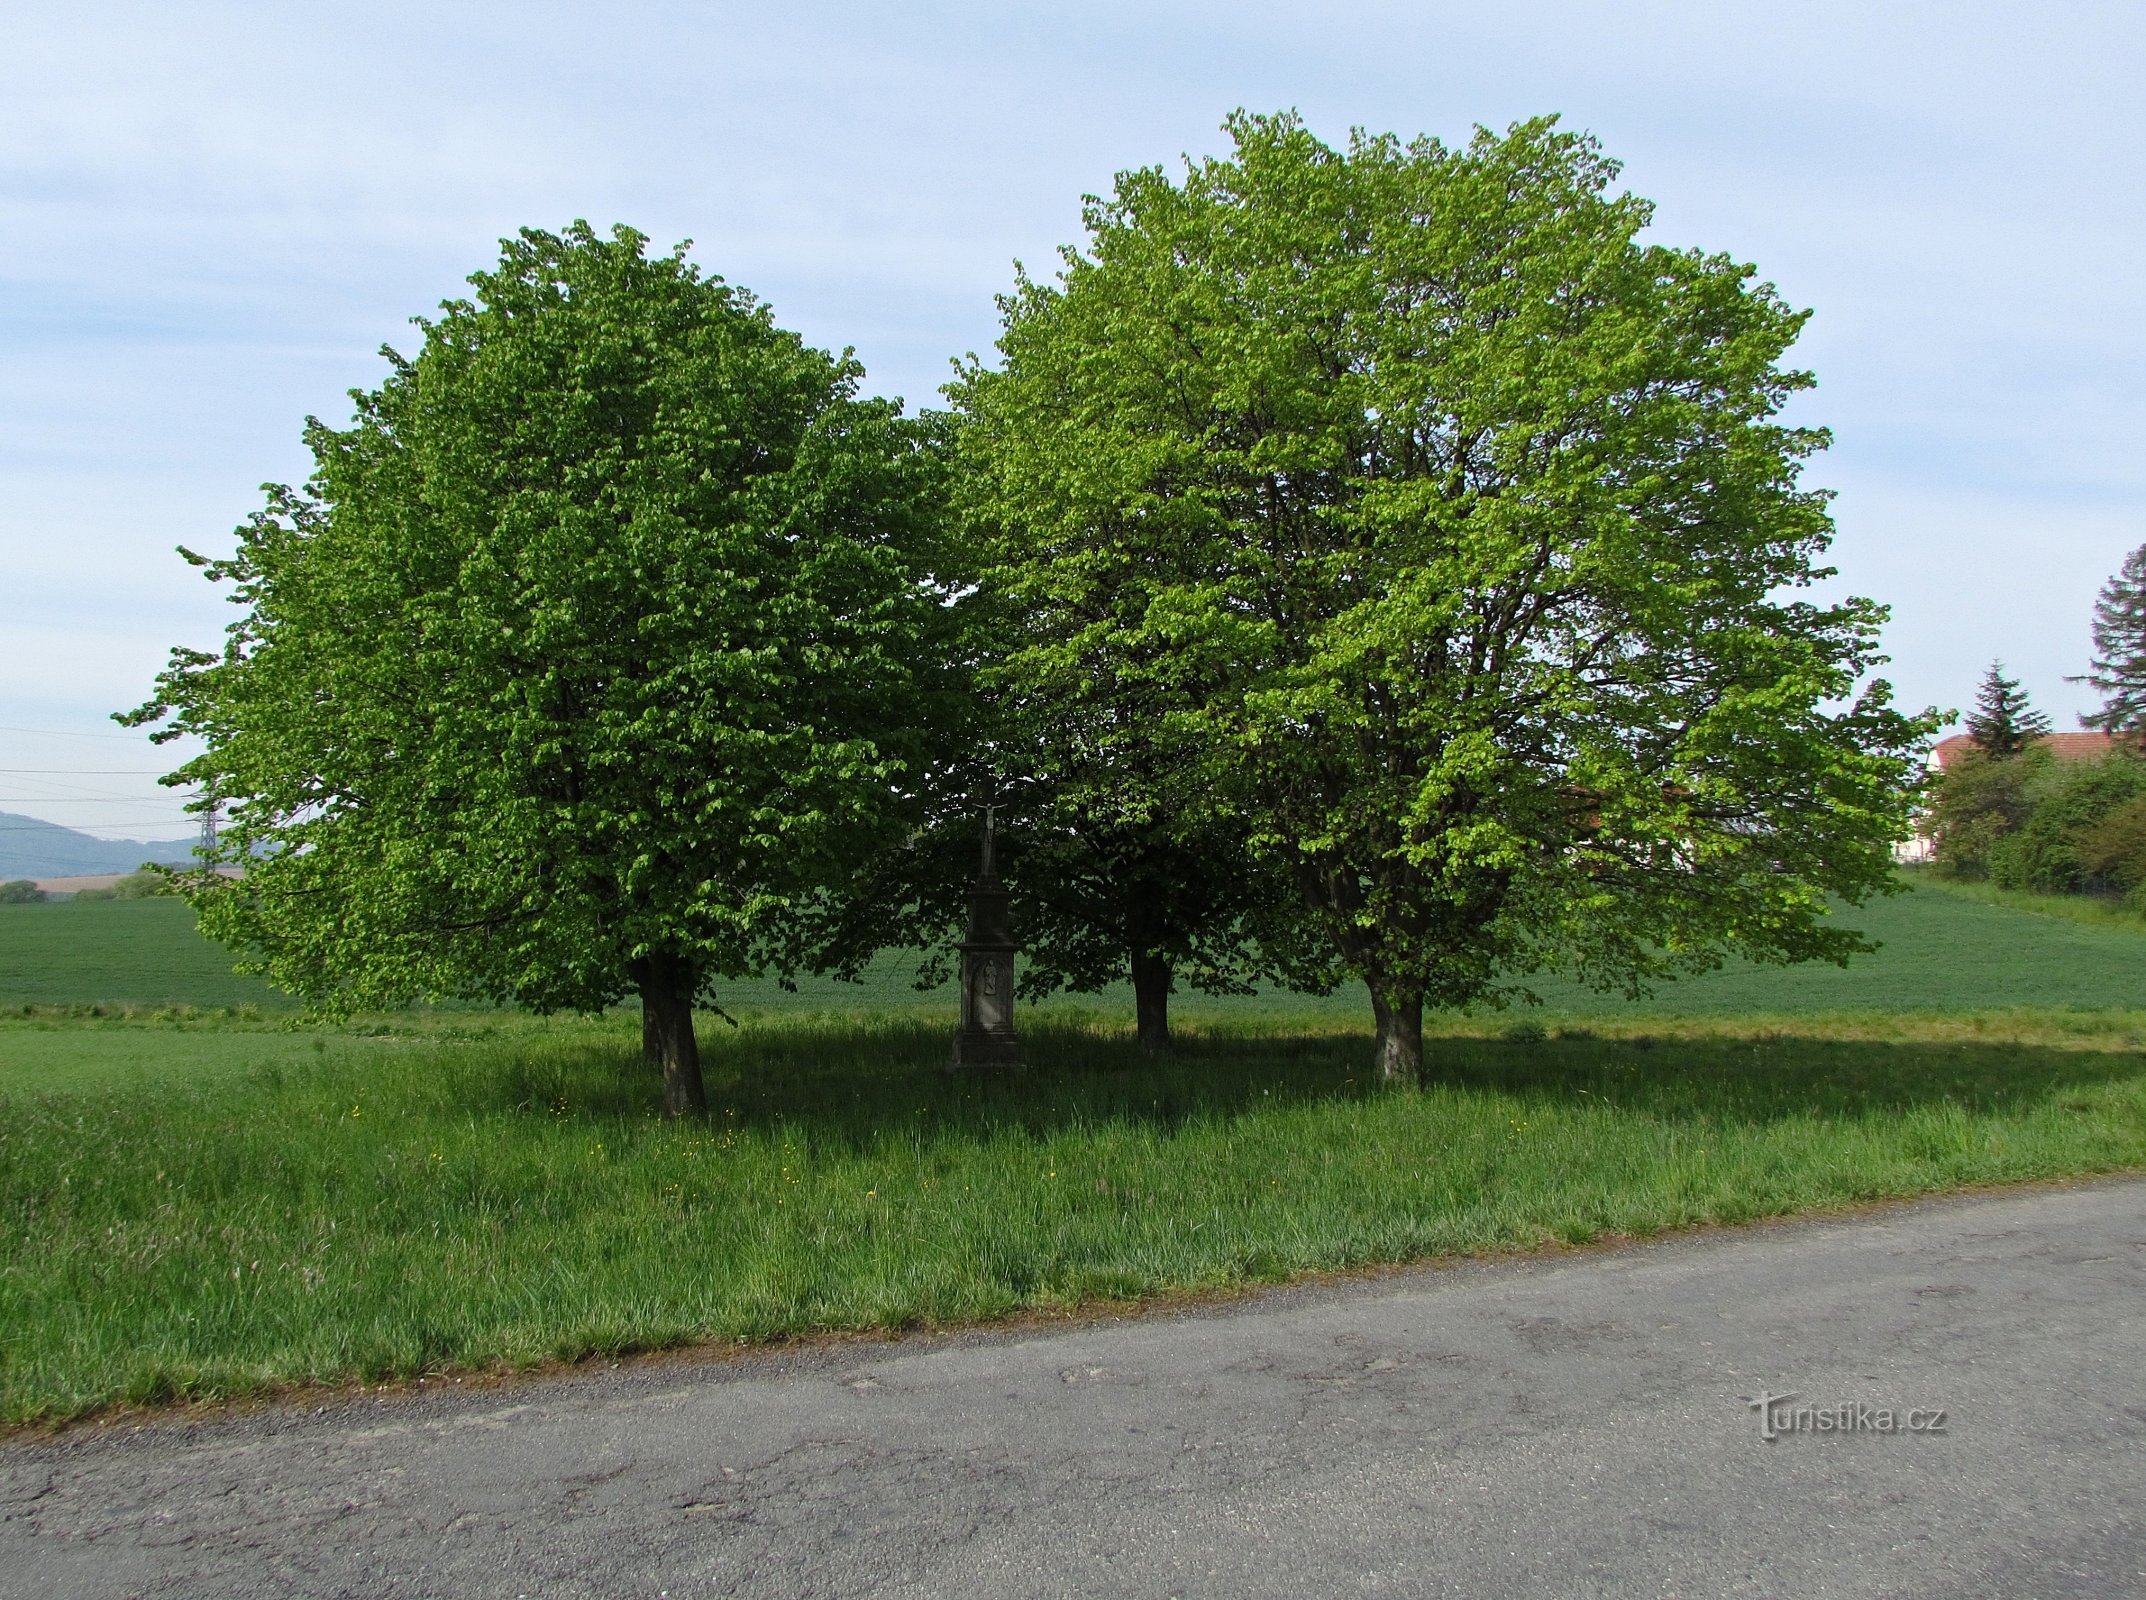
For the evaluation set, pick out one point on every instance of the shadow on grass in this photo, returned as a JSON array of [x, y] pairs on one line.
[[849, 1083]]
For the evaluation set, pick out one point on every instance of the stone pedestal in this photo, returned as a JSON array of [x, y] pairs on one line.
[[986, 1037]]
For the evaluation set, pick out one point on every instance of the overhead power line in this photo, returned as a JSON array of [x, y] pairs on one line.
[[66, 733]]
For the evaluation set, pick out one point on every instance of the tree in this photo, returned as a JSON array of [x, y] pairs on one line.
[[595, 654], [2115, 848], [2067, 801], [2118, 669], [1110, 878], [2003, 723], [1978, 801], [21, 892], [1112, 887], [1120, 873], [1448, 537]]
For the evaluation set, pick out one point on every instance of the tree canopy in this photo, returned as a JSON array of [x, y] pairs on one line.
[[1119, 879], [1448, 543], [2003, 723], [2118, 668], [598, 651]]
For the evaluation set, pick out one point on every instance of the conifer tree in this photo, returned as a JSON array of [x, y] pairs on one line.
[[2119, 664], [2003, 723]]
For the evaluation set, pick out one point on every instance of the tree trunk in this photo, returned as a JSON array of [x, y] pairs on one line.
[[1151, 999], [667, 1039], [1399, 1014]]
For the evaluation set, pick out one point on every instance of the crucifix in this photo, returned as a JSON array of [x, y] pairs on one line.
[[986, 1037]]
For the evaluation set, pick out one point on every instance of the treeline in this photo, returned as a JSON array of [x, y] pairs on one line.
[[146, 884], [2009, 809], [1372, 563]]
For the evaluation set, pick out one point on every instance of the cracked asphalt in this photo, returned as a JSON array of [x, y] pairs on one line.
[[1567, 1425]]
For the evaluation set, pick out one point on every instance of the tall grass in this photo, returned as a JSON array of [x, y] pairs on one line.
[[2094, 910], [514, 1199]]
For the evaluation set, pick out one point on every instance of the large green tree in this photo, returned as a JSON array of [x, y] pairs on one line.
[[1451, 537], [595, 655]]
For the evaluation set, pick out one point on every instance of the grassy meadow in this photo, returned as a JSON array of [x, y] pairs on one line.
[[209, 1197]]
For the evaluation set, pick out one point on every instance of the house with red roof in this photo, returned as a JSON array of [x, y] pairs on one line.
[[2064, 746], [1919, 847]]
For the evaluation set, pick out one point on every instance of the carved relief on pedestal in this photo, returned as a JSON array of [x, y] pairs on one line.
[[986, 1036]]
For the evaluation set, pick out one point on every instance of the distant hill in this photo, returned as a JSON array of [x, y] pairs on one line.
[[33, 849]]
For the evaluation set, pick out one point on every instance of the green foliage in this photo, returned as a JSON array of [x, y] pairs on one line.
[[2067, 800], [20, 892], [2032, 822], [1978, 801], [1447, 538], [146, 884], [2114, 847], [2003, 723], [603, 641], [1107, 882], [2118, 669]]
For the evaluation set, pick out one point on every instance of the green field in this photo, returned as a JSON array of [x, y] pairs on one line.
[[1943, 950], [118, 952], [219, 1201]]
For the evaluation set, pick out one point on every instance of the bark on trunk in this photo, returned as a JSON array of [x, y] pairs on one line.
[[1151, 999], [1400, 1033], [667, 1038]]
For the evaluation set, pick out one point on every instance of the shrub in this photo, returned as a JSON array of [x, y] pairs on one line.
[[1980, 800], [2115, 847], [20, 892], [143, 885], [2068, 803]]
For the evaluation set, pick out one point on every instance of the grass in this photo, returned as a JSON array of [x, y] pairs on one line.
[[2096, 911], [215, 1202], [139, 952], [441, 1203], [1945, 948]]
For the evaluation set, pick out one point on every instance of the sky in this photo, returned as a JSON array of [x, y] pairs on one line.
[[212, 217]]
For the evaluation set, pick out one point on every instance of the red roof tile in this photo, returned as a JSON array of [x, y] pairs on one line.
[[2064, 746]]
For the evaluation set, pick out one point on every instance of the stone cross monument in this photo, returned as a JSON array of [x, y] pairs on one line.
[[986, 1037]]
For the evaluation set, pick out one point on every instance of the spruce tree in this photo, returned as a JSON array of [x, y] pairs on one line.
[[2003, 723], [2119, 664]]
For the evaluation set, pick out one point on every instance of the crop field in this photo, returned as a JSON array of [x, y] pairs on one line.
[[1943, 950], [209, 1197], [134, 952]]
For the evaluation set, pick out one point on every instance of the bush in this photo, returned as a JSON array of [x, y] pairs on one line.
[[143, 885], [1979, 801], [2115, 848], [20, 892], [2069, 803]]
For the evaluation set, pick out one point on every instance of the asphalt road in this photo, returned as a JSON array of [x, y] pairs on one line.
[[1574, 1425]]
